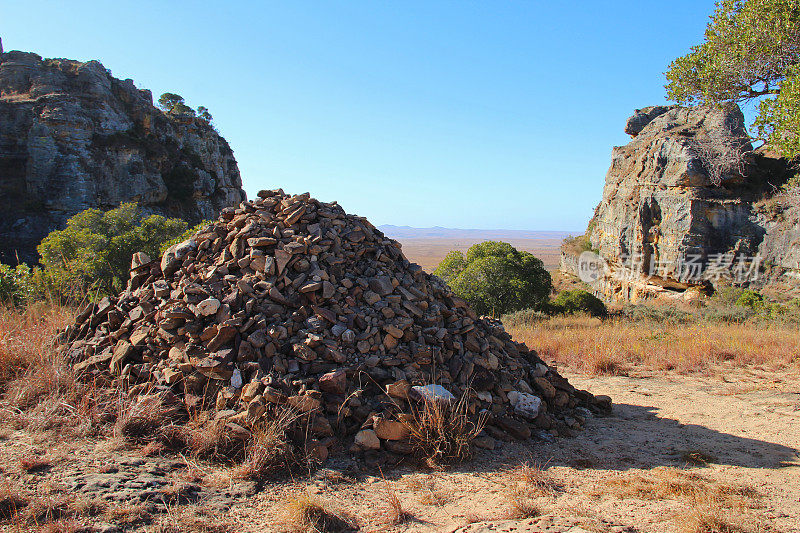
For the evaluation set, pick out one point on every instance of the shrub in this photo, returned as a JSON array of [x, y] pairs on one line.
[[523, 318], [734, 314], [578, 301], [96, 247], [15, 284], [750, 299], [656, 313], [495, 278]]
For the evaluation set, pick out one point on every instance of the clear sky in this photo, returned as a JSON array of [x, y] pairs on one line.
[[493, 114]]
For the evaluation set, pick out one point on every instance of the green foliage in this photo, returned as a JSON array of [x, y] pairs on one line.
[[15, 284], [174, 104], [451, 266], [751, 51], [750, 299], [202, 112], [495, 278], [96, 247], [188, 234], [578, 301]]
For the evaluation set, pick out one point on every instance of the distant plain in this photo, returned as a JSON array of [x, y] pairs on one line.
[[428, 246]]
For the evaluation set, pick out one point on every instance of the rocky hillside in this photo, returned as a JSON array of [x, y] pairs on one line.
[[73, 137], [664, 229]]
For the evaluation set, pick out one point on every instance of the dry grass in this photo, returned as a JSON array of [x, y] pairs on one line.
[[269, 450], [443, 433], [13, 499], [522, 506], [192, 519], [127, 514], [429, 493], [712, 518], [611, 346], [666, 483], [34, 464], [534, 479], [39, 389], [307, 514]]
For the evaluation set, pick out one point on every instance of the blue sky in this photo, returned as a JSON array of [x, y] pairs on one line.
[[459, 114]]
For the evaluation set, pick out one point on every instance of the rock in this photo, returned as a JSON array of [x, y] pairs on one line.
[[334, 382], [434, 393], [208, 307], [381, 285], [515, 428], [366, 439], [664, 231], [390, 429], [484, 441], [525, 404], [75, 137], [398, 389], [545, 387]]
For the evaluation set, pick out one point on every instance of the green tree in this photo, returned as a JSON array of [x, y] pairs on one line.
[[202, 112], [95, 248], [578, 301], [495, 278], [174, 104], [168, 101], [751, 52]]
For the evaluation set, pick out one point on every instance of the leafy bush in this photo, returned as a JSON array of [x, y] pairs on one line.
[[15, 284], [750, 299], [188, 234], [735, 314], [578, 301], [495, 278], [96, 247]]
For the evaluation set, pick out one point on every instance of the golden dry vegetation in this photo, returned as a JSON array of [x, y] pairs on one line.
[[617, 346]]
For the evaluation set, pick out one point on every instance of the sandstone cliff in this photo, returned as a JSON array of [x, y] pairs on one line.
[[666, 230], [73, 137]]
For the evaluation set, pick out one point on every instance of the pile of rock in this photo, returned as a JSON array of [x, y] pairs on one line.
[[288, 300]]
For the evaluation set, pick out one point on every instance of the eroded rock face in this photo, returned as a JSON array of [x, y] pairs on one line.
[[73, 137], [661, 214]]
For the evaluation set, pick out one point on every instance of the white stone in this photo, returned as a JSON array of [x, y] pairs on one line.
[[434, 392], [236, 379], [208, 307], [525, 404]]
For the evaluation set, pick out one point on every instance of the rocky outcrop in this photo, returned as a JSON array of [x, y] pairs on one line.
[[73, 137], [664, 229]]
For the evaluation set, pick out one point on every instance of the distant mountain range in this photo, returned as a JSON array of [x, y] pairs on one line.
[[407, 232]]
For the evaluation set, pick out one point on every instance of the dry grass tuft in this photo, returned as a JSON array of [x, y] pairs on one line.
[[269, 449], [522, 506], [12, 500], [614, 345], [443, 433], [711, 518], [192, 519], [34, 464], [127, 514], [307, 514], [429, 494], [532, 478], [664, 483]]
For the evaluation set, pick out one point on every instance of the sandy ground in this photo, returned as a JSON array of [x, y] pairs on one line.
[[746, 424]]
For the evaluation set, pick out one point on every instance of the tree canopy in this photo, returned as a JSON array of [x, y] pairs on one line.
[[96, 247], [176, 105], [751, 52], [495, 278]]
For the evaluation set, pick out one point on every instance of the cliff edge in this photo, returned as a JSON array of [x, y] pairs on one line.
[[74, 137]]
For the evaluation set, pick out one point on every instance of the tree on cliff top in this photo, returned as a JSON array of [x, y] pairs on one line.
[[495, 278], [751, 52]]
